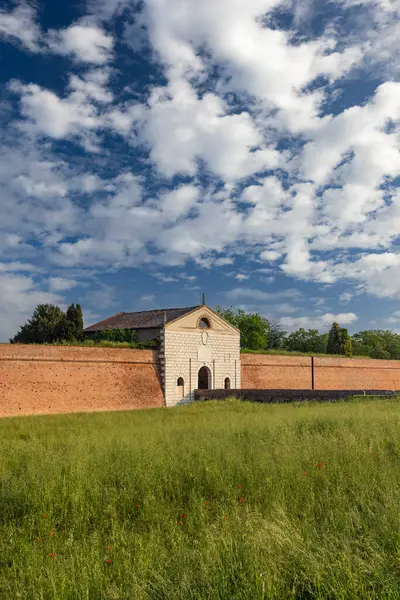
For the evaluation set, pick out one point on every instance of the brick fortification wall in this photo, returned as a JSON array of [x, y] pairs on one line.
[[60, 379], [263, 371]]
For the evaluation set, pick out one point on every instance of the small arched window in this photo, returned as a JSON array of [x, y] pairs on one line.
[[204, 323], [180, 389], [227, 383]]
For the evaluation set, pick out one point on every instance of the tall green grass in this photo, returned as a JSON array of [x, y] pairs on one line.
[[211, 501]]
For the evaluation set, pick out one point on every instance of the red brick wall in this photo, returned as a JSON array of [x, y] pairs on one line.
[[264, 371], [356, 374], [58, 379]]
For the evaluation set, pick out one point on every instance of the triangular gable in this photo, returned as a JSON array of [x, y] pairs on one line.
[[190, 321]]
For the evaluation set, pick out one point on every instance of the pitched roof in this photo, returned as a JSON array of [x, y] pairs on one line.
[[147, 319]]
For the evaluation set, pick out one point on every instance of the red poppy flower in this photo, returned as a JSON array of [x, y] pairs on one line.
[[109, 548], [305, 473], [52, 534], [46, 516], [241, 500], [38, 539], [138, 505], [51, 554], [240, 486], [183, 516], [206, 502], [180, 523], [320, 465], [109, 561]]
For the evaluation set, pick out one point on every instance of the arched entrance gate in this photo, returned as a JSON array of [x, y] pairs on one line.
[[204, 379]]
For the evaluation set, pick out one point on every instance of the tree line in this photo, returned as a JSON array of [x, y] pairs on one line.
[[260, 334], [50, 325]]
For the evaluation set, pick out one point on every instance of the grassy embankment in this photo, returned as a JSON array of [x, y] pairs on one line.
[[212, 501]]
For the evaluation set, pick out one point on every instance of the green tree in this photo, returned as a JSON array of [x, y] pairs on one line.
[[276, 335], [45, 326], [79, 323], [254, 328], [310, 341], [68, 327], [334, 340], [377, 343], [346, 346]]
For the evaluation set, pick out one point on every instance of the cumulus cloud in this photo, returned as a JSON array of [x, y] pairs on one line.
[[61, 284], [84, 42], [19, 296], [240, 150], [20, 25], [320, 322]]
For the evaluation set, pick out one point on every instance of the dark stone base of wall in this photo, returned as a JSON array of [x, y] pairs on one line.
[[272, 396]]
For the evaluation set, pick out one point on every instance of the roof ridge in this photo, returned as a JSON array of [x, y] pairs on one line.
[[134, 312]]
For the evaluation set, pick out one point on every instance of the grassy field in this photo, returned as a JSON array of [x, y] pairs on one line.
[[222, 501]]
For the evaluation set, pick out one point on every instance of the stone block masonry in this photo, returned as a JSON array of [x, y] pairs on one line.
[[185, 355]]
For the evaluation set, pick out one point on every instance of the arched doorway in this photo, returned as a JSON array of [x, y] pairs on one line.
[[227, 383], [204, 379]]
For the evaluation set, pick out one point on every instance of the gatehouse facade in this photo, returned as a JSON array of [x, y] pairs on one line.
[[198, 349]]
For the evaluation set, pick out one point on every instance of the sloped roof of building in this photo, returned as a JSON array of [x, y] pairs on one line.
[[147, 319]]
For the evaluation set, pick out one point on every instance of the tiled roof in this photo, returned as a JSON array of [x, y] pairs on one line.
[[147, 319]]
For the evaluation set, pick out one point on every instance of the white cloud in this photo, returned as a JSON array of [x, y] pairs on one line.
[[19, 296], [238, 92], [181, 128], [84, 42], [320, 322], [241, 277], [177, 204], [60, 284], [20, 25], [259, 295], [52, 115], [345, 297]]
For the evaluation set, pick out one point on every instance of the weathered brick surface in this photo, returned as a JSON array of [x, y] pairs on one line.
[[263, 371], [356, 374], [58, 379]]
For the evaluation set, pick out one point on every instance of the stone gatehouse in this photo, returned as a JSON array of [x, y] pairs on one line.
[[198, 348]]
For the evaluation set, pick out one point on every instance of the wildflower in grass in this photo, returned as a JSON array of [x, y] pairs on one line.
[[183, 516], [52, 534], [180, 523], [206, 502], [240, 486], [320, 466], [305, 473], [46, 516], [138, 505], [51, 554], [109, 548], [38, 539], [109, 561], [241, 500]]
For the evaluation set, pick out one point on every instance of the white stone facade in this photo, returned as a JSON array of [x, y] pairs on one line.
[[186, 348]]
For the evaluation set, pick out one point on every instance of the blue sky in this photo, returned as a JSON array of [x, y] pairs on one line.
[[151, 151]]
